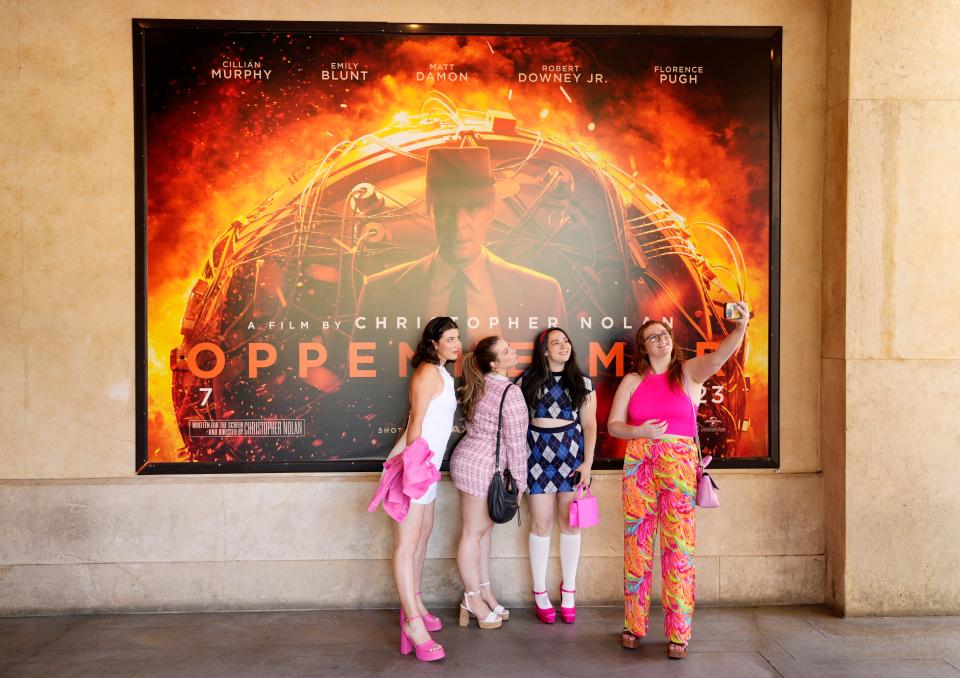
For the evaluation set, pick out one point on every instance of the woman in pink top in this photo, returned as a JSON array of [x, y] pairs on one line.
[[472, 466], [655, 408]]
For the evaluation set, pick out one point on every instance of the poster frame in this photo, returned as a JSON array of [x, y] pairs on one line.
[[142, 26]]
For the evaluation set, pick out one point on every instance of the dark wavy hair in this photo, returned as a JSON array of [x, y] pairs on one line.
[[536, 376], [642, 362], [427, 347]]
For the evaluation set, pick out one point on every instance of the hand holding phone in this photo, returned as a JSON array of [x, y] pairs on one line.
[[738, 311]]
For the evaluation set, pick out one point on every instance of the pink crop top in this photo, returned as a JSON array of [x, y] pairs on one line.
[[655, 399]]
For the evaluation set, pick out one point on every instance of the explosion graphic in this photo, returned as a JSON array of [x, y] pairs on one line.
[[347, 156]]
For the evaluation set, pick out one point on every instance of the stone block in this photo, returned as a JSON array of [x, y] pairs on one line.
[[901, 205], [834, 237], [898, 52], [774, 514], [838, 52], [769, 580], [119, 522], [902, 516]]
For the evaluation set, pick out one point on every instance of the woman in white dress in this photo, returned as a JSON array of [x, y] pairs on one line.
[[433, 402]]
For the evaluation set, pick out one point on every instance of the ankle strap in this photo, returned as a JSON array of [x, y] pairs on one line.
[[468, 594], [486, 583], [409, 619], [539, 593], [568, 590]]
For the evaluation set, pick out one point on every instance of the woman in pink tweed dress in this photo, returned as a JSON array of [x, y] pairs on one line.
[[472, 466]]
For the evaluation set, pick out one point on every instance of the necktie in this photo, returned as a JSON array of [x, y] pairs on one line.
[[457, 303]]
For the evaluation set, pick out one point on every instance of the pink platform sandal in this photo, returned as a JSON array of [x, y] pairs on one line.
[[546, 615], [568, 614], [428, 651], [431, 621]]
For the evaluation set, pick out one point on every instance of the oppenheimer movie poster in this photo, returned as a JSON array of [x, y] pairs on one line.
[[287, 253]]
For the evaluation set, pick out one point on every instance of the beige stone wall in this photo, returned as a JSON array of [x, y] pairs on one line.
[[79, 531], [891, 358], [833, 302]]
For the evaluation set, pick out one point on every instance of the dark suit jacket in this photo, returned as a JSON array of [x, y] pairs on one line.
[[401, 291]]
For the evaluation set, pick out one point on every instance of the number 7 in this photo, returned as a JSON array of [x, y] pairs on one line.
[[207, 391]]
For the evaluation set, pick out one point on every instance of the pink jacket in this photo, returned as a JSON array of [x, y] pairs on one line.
[[406, 476]]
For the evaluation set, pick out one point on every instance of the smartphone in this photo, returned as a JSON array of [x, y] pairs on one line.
[[575, 479], [731, 311]]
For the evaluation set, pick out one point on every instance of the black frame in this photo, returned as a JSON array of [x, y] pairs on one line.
[[140, 26]]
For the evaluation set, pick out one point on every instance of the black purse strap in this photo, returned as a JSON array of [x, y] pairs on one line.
[[503, 398]]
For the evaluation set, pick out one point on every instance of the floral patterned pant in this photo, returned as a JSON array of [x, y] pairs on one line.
[[659, 486]]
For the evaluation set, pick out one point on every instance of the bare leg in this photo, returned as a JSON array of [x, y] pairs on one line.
[[406, 537], [421, 555], [563, 519], [475, 523], [486, 592], [543, 511]]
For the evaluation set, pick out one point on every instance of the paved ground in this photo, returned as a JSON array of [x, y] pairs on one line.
[[765, 641]]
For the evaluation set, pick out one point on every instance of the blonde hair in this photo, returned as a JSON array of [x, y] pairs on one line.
[[476, 365]]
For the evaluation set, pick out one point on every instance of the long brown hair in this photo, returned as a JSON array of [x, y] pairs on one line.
[[476, 364], [642, 362], [538, 373]]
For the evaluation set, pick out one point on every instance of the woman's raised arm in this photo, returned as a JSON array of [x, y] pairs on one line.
[[700, 369]]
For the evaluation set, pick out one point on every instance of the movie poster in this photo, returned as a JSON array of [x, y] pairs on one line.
[[288, 255]]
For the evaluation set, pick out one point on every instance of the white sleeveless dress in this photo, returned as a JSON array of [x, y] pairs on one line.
[[437, 427]]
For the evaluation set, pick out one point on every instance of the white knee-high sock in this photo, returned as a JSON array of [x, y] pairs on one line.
[[569, 559], [539, 555]]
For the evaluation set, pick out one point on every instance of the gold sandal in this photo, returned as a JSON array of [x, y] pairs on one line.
[[677, 650]]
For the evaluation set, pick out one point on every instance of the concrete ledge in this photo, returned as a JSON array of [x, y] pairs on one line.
[[316, 518], [355, 584], [304, 542]]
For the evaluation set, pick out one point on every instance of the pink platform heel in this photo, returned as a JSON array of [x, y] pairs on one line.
[[429, 651], [546, 615], [431, 621], [568, 614]]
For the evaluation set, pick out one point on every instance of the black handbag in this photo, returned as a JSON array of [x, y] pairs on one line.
[[502, 499]]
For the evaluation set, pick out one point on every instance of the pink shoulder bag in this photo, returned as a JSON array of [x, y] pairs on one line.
[[707, 496]]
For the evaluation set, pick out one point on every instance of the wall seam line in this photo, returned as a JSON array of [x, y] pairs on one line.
[[118, 563]]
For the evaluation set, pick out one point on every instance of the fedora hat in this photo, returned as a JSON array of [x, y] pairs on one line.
[[462, 176]]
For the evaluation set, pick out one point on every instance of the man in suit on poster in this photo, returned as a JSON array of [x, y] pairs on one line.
[[461, 278]]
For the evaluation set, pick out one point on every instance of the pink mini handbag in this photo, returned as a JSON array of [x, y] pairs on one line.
[[584, 510], [707, 496]]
